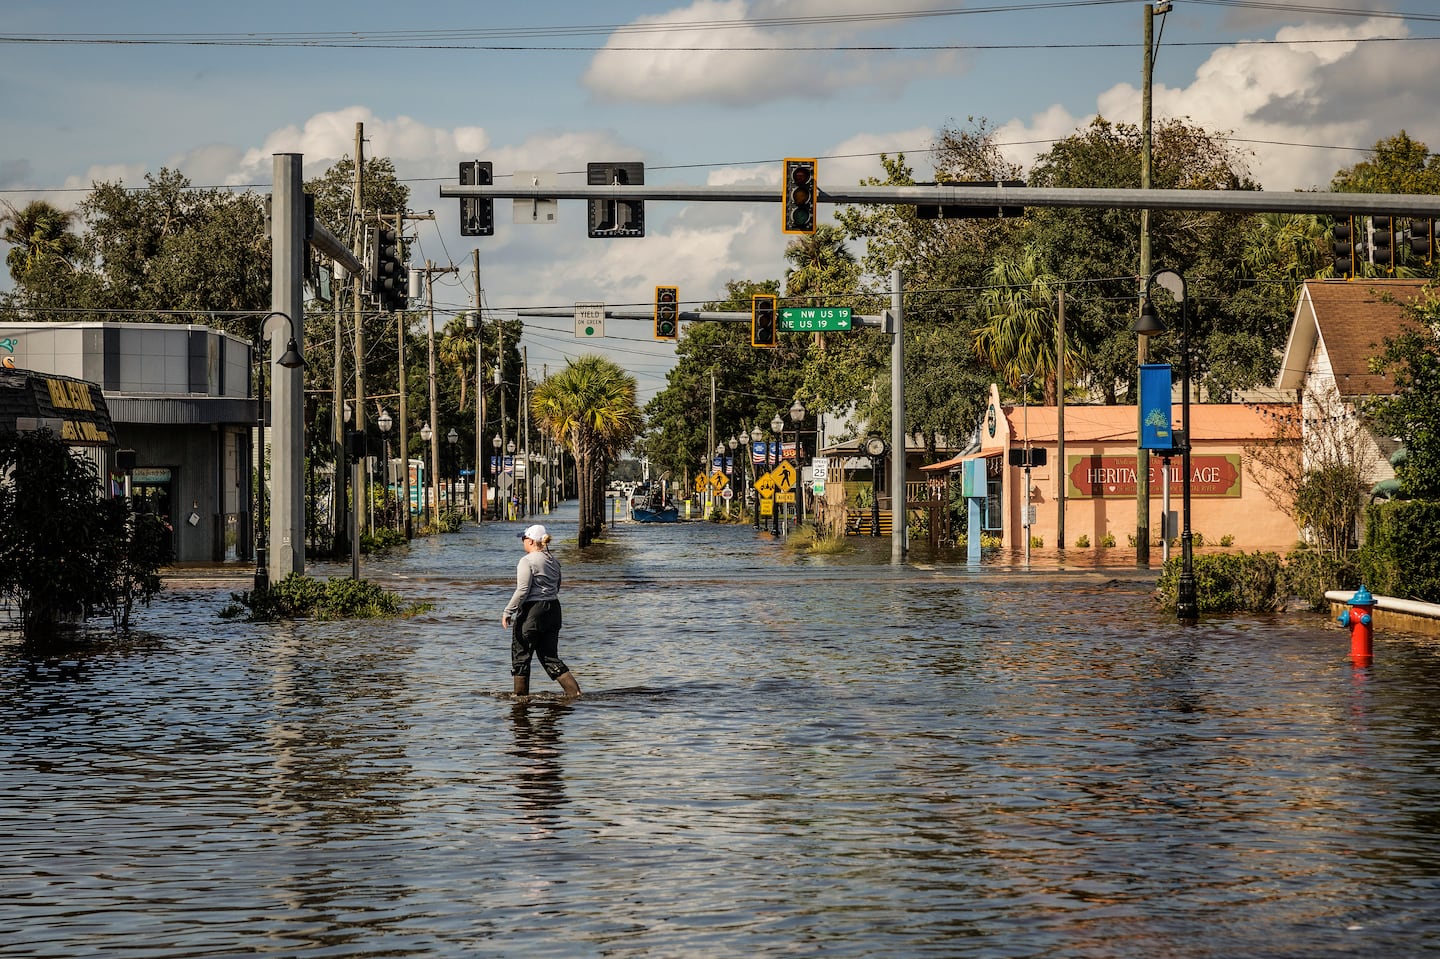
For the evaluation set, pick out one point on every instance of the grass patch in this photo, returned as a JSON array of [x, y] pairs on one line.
[[807, 539]]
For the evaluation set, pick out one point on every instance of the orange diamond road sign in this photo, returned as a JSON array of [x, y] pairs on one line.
[[718, 481], [785, 475]]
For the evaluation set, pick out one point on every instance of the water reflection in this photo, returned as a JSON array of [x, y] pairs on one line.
[[539, 779], [775, 755]]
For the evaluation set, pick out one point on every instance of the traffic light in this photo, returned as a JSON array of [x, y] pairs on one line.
[[609, 218], [1382, 242], [667, 312], [1027, 457], [386, 269], [1343, 247], [1422, 237], [800, 194], [945, 211], [762, 320], [477, 214]]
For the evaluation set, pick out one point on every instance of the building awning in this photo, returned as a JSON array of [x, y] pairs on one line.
[[74, 410], [955, 461]]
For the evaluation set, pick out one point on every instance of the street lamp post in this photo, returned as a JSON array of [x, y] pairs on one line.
[[797, 416], [385, 422], [452, 438], [756, 434], [734, 444], [510, 455], [720, 468], [290, 360], [777, 427], [1187, 606], [432, 487], [495, 471]]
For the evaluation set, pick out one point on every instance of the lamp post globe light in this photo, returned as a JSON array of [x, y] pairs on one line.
[[777, 428], [385, 422], [495, 470], [452, 437], [756, 435], [425, 433], [514, 475], [1187, 606]]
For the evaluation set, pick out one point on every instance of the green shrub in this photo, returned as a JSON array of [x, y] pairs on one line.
[[1227, 540], [297, 596], [1108, 541], [380, 540], [1308, 573], [1083, 542], [1227, 583], [1400, 557], [1037, 542]]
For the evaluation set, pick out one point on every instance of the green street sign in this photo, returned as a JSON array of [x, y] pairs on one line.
[[816, 319]]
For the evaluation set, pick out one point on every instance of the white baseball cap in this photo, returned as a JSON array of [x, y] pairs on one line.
[[536, 534]]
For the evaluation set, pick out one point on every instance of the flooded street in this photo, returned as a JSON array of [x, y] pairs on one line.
[[775, 755]]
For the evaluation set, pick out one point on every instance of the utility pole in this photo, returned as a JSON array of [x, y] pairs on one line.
[[404, 402], [479, 485], [1142, 355], [341, 535], [286, 553], [524, 444], [1060, 417], [357, 423], [430, 270], [500, 393], [898, 525]]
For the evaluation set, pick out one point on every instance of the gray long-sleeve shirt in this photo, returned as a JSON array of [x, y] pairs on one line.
[[537, 577]]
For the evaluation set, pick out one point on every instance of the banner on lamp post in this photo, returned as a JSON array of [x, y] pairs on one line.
[[1156, 430]]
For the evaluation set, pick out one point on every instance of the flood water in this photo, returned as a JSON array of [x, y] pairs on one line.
[[775, 755]]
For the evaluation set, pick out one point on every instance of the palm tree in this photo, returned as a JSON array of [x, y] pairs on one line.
[[1017, 336], [457, 351], [36, 232], [589, 406]]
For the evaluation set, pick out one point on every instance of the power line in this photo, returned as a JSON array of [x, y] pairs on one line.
[[785, 49]]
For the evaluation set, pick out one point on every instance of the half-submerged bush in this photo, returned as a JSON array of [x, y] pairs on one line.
[[1227, 583], [1308, 573], [298, 596]]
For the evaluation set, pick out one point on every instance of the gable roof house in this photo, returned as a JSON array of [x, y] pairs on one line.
[[1339, 326]]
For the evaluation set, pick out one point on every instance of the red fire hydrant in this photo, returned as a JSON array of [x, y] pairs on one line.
[[1359, 617]]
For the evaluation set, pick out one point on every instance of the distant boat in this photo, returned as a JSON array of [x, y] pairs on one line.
[[648, 505], [665, 514]]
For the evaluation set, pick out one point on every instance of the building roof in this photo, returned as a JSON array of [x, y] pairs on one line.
[[1349, 321], [1107, 424], [1219, 422]]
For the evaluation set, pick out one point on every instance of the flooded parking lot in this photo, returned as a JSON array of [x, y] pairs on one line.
[[775, 755]]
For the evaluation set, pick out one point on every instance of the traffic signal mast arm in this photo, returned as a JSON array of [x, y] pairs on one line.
[[857, 320], [1241, 201]]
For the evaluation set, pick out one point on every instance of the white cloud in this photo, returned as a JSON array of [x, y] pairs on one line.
[[1279, 101], [658, 61]]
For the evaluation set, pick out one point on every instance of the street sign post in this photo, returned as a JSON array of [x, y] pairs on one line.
[[814, 319], [589, 320], [819, 473]]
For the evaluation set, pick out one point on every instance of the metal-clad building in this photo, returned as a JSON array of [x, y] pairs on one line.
[[180, 397]]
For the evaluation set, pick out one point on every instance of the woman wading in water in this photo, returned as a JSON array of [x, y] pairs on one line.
[[533, 616]]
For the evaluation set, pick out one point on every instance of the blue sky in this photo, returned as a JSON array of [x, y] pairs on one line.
[[699, 94]]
